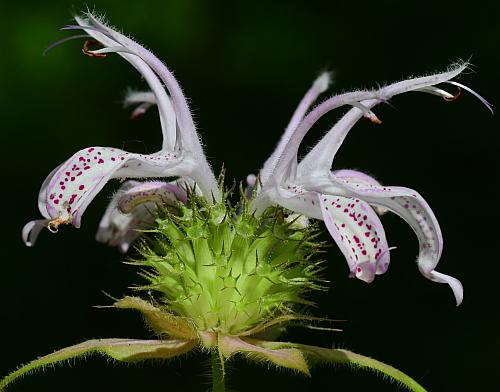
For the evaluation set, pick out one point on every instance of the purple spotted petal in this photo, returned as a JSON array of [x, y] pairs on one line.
[[73, 186], [356, 177], [359, 234], [410, 206]]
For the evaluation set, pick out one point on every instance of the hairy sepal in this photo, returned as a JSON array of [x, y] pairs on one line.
[[289, 358], [160, 321], [122, 350], [320, 355]]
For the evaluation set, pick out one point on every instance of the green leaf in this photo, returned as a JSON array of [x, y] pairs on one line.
[[125, 350], [345, 357]]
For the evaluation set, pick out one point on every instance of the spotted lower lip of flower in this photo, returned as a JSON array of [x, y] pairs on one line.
[[348, 200], [70, 188]]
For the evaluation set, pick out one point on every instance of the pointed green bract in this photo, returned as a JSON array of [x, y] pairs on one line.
[[290, 358], [345, 357], [162, 322], [124, 350], [227, 270]]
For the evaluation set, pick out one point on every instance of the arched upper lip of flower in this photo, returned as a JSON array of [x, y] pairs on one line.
[[69, 189], [346, 201]]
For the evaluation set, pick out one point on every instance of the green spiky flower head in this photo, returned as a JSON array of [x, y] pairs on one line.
[[225, 269]]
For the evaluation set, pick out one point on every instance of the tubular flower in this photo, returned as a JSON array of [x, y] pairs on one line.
[[69, 189], [223, 275], [347, 200]]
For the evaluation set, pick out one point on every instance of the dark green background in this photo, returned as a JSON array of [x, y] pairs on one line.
[[244, 66]]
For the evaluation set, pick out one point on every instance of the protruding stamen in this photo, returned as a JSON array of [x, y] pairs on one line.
[[367, 112], [488, 105], [89, 52], [53, 225], [453, 97]]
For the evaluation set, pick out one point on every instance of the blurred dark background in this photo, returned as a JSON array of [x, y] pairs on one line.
[[244, 67]]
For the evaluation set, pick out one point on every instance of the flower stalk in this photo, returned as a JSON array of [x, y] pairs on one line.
[[218, 383]]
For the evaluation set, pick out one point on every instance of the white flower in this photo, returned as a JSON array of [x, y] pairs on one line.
[[346, 200]]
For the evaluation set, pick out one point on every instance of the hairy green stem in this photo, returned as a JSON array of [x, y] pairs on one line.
[[217, 373]]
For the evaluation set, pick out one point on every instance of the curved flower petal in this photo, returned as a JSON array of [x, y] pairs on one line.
[[32, 229], [296, 199], [351, 176], [73, 186], [353, 224], [319, 86], [359, 234], [118, 229], [111, 38], [150, 192], [187, 139], [166, 110], [320, 157], [410, 206], [132, 209], [121, 230]]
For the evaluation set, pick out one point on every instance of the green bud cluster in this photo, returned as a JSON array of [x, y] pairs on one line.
[[227, 270]]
